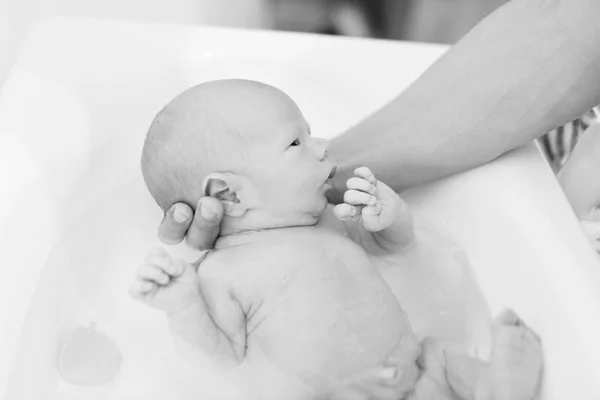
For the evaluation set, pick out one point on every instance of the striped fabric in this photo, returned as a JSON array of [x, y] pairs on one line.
[[559, 143]]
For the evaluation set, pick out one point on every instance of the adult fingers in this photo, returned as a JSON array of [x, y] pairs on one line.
[[205, 226], [174, 226]]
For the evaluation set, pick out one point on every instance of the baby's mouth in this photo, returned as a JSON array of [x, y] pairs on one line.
[[332, 173], [328, 185]]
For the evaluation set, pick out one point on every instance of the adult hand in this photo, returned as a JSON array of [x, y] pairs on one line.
[[394, 380], [199, 227]]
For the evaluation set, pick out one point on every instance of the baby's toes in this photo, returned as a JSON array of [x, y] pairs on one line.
[[516, 362], [508, 317], [512, 334], [530, 347], [510, 339]]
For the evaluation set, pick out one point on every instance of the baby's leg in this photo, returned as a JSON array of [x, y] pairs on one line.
[[513, 373], [433, 383], [516, 362]]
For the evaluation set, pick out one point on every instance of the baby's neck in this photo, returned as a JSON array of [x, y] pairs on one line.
[[235, 231]]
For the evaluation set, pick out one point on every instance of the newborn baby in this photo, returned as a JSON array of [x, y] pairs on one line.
[[291, 281]]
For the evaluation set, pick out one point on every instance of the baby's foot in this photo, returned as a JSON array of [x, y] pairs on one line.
[[515, 367], [433, 383], [465, 374]]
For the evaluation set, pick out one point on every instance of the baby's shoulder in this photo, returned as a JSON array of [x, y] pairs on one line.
[[232, 263], [256, 259], [218, 265]]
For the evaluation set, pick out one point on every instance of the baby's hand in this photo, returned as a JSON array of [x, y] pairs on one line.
[[166, 284], [369, 202]]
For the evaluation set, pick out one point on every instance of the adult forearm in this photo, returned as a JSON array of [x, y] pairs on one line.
[[527, 68]]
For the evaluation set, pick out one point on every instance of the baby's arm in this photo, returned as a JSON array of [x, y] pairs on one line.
[[375, 216], [203, 318]]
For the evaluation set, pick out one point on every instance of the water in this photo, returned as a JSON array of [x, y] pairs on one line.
[[85, 281], [435, 285]]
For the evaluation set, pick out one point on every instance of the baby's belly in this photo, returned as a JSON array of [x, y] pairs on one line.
[[328, 321]]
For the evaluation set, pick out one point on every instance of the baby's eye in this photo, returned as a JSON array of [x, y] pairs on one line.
[[295, 143]]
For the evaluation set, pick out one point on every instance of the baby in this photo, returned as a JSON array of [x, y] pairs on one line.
[[290, 280]]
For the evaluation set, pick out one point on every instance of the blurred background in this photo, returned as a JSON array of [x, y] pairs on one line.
[[437, 21]]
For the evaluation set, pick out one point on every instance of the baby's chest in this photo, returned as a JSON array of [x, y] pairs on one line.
[[329, 311], [326, 270]]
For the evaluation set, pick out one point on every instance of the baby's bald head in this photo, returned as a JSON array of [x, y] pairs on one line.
[[205, 129]]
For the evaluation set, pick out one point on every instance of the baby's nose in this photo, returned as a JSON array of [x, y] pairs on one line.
[[321, 146]]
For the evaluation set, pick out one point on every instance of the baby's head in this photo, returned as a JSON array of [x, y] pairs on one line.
[[243, 142]]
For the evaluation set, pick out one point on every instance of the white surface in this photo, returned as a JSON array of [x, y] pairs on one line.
[[75, 216], [17, 16]]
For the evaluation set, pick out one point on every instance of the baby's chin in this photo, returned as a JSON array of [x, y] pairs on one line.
[[310, 216], [318, 211]]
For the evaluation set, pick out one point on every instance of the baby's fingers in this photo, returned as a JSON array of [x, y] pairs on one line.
[[345, 211], [362, 185], [139, 288], [153, 273], [371, 211], [356, 197], [162, 260], [158, 257], [366, 174]]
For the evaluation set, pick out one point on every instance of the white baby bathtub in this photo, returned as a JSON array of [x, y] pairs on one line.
[[76, 219]]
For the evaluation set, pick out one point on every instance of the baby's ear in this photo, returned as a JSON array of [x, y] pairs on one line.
[[224, 187]]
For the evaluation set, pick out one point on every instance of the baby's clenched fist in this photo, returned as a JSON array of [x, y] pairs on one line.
[[166, 284]]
